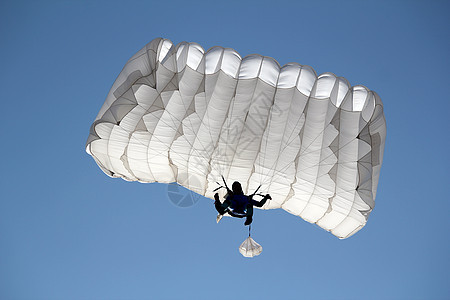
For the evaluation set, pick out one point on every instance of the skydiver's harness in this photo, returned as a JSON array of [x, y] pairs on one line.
[[238, 206]]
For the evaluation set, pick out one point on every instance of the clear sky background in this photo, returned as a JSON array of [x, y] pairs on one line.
[[68, 231]]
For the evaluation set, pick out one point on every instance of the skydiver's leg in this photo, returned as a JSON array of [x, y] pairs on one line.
[[226, 204], [249, 219], [221, 207]]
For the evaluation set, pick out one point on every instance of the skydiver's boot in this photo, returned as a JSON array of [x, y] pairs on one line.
[[219, 217], [248, 221]]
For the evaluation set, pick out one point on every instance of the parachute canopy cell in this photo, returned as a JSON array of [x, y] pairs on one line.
[[179, 114]]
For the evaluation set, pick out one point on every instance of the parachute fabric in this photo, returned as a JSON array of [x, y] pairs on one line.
[[178, 114], [250, 248]]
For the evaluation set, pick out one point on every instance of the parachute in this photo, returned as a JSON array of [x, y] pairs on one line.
[[250, 248], [179, 114]]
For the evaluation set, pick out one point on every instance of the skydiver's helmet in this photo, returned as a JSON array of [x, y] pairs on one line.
[[237, 188]]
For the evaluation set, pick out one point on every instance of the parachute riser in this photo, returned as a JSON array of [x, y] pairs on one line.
[[228, 189]]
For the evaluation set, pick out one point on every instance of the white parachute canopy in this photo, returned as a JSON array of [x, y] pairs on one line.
[[179, 114]]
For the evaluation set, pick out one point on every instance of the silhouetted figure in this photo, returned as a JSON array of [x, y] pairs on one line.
[[237, 204]]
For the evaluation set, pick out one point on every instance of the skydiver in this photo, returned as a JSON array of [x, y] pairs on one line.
[[237, 204]]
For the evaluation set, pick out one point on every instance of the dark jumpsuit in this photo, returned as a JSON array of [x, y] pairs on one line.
[[239, 206]]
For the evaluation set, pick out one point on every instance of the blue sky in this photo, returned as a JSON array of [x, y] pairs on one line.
[[67, 231]]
